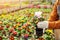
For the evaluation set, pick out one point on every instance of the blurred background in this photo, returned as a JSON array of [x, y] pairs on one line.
[[18, 16]]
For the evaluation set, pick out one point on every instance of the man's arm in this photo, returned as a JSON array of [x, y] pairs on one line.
[[54, 15], [53, 19]]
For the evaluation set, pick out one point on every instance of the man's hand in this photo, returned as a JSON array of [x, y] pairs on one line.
[[43, 24]]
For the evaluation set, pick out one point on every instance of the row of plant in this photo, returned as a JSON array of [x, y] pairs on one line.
[[20, 25], [30, 9]]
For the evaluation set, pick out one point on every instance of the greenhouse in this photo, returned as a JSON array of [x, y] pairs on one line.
[[30, 20]]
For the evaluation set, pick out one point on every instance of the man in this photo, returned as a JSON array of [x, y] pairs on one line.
[[54, 20]]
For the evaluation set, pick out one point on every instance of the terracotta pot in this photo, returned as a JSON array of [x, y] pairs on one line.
[[11, 38], [0, 38]]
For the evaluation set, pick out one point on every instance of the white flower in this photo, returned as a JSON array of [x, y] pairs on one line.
[[38, 14]]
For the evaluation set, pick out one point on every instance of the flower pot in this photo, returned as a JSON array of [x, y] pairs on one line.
[[0, 38]]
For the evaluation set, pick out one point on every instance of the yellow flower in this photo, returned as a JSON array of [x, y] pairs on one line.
[[32, 14], [22, 20], [28, 22], [51, 31], [16, 26], [3, 16], [6, 4]]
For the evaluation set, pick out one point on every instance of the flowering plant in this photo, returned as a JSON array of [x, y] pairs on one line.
[[48, 35]]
